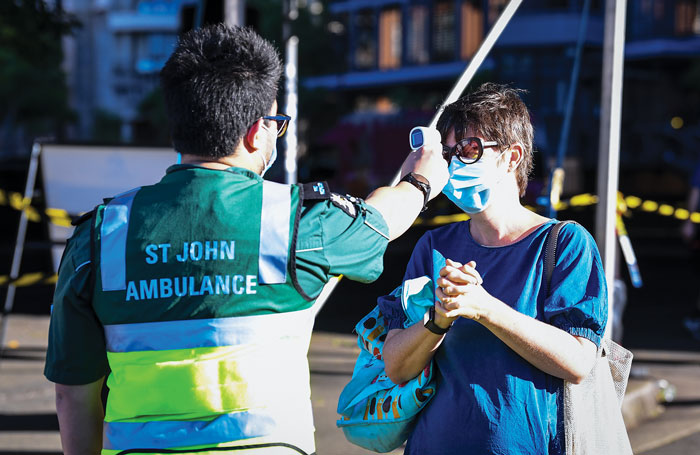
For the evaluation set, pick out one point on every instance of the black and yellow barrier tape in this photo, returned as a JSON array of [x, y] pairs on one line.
[[18, 202], [29, 279], [633, 203]]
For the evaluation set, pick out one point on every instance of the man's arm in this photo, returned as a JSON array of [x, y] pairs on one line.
[[80, 416], [401, 204]]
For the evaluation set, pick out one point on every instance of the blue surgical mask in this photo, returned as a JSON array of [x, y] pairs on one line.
[[470, 185], [268, 164]]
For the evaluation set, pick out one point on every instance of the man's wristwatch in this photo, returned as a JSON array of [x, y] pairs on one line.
[[429, 323], [421, 183]]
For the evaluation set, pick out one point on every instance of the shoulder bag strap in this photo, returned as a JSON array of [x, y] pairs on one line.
[[550, 252]]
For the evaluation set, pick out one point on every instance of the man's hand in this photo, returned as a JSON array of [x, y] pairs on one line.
[[428, 162]]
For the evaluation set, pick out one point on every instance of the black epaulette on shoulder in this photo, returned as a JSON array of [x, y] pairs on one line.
[[316, 191], [348, 204], [83, 218]]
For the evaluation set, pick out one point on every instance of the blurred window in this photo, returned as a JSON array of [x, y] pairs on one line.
[[444, 39], [390, 39], [472, 33], [366, 40], [495, 8], [686, 18], [417, 38], [152, 50], [158, 6]]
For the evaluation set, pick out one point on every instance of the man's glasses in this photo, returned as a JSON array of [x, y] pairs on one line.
[[282, 122], [468, 150]]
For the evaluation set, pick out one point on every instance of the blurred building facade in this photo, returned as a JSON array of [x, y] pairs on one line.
[[112, 60], [403, 51]]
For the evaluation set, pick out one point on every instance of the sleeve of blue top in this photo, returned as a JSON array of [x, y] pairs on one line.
[[577, 302]]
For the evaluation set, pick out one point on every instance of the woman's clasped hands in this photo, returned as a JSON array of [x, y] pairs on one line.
[[460, 293]]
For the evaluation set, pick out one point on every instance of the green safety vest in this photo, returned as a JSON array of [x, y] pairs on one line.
[[207, 330]]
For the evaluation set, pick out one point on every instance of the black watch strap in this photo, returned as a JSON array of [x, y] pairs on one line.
[[421, 183], [429, 323]]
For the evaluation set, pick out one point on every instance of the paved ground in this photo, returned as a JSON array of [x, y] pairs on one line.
[[675, 429], [27, 413], [28, 422]]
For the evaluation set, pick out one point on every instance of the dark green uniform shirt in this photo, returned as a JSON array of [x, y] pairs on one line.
[[335, 236]]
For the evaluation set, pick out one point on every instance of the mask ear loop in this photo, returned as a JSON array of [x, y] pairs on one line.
[[261, 154], [263, 159]]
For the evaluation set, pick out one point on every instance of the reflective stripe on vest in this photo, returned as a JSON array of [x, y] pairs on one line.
[[185, 383], [167, 434], [115, 226], [274, 233]]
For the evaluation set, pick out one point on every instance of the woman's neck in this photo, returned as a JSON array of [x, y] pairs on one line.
[[504, 224]]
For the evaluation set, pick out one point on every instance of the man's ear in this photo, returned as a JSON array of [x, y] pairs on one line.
[[517, 152], [254, 137]]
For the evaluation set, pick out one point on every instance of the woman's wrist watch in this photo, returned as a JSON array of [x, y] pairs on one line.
[[421, 183], [429, 322]]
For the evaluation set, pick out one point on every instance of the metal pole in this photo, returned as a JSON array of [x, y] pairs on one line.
[[454, 94], [571, 98], [290, 108], [609, 145], [290, 11], [19, 244], [234, 12]]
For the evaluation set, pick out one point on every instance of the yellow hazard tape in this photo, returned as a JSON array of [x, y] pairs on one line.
[[29, 279], [18, 202], [633, 202], [581, 200]]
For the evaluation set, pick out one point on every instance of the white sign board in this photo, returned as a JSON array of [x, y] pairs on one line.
[[77, 177]]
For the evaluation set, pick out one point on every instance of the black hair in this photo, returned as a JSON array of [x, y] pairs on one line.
[[217, 83], [497, 113]]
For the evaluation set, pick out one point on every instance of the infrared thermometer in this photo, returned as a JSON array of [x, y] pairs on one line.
[[421, 135]]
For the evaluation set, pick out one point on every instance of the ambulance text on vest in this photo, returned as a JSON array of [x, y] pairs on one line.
[[163, 288], [207, 250]]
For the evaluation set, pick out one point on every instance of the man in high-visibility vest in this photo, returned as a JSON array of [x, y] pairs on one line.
[[194, 296]]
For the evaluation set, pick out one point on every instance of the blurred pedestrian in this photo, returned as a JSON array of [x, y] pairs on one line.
[[502, 344], [195, 296], [689, 234]]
